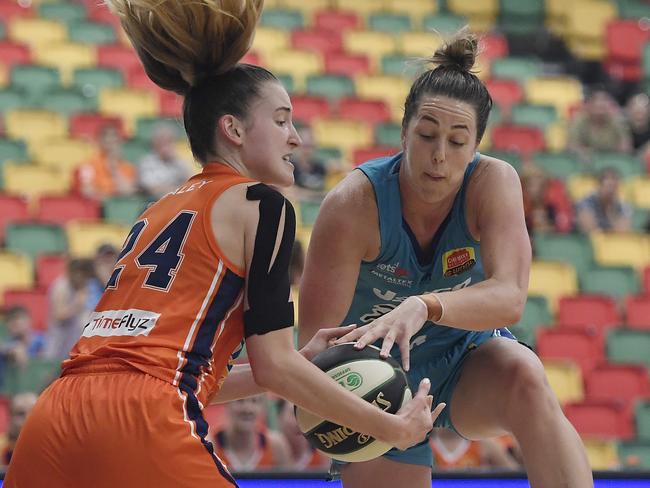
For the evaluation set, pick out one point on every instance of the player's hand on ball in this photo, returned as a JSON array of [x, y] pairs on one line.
[[323, 339], [397, 326], [418, 417]]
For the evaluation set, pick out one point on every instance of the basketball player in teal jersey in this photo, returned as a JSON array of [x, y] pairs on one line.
[[429, 250]]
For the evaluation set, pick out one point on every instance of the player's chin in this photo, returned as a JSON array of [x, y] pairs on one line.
[[283, 177]]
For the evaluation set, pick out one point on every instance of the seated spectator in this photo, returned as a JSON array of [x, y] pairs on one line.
[[107, 174], [452, 452], [162, 171], [22, 342], [542, 213], [603, 210], [104, 263], [244, 443], [599, 126], [638, 118], [72, 297], [309, 172], [302, 456], [21, 405]]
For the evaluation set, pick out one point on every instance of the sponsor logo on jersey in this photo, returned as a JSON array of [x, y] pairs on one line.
[[131, 322], [458, 261], [393, 273]]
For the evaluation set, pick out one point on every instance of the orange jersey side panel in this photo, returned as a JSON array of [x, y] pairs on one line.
[[173, 307], [468, 456]]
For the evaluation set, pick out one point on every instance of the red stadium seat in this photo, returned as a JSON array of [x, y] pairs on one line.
[[14, 209], [362, 155], [48, 268], [5, 414], [118, 57], [171, 104], [625, 40], [64, 208], [336, 20], [493, 45], [99, 12], [373, 111], [35, 301], [11, 8], [88, 125], [137, 78], [646, 280], [306, 108], [583, 345], [346, 64], [521, 139], [14, 53], [319, 40], [637, 309], [603, 419], [619, 382], [252, 57], [556, 195], [585, 310], [505, 92]]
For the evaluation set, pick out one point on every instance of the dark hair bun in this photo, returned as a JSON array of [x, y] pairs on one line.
[[459, 52]]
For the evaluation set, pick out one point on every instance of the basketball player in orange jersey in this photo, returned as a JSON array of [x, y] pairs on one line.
[[202, 270]]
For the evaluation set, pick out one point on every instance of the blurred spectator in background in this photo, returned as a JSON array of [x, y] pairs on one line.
[[107, 174], [637, 110], [310, 172], [599, 126], [303, 456], [245, 444], [104, 263], [452, 452], [162, 171], [603, 210], [21, 405], [21, 343], [543, 213], [72, 297]]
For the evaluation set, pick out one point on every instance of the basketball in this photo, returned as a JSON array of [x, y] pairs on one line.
[[379, 381]]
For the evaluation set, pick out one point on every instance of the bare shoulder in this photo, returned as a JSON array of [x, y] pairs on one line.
[[352, 200], [491, 172]]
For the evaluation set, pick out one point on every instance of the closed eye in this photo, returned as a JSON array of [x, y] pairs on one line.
[[457, 144]]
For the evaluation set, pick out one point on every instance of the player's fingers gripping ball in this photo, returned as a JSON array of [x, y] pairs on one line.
[[381, 382]]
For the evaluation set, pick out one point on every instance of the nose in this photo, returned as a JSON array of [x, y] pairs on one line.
[[438, 155], [294, 137]]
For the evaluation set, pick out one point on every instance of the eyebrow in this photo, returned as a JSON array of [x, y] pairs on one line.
[[435, 121], [285, 109]]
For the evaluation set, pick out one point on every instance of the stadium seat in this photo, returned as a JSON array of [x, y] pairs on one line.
[[171, 104], [513, 158], [35, 238], [582, 345], [92, 80], [61, 209], [63, 154], [623, 383], [13, 98], [124, 210], [388, 134], [521, 17], [308, 8], [444, 22], [629, 346], [118, 57], [557, 165], [362, 155], [602, 453], [363, 8], [145, 127], [599, 311], [581, 185], [37, 31], [562, 92], [391, 89], [66, 56], [347, 64], [633, 9], [402, 65], [12, 150], [135, 149], [505, 92], [35, 301], [130, 104], [389, 22], [621, 249], [85, 237], [541, 116], [640, 191], [637, 312], [35, 376], [299, 64], [525, 140], [33, 181], [92, 33], [35, 80], [14, 209], [373, 111], [625, 40], [48, 268], [635, 455], [642, 415], [565, 379], [552, 280], [536, 314], [615, 281], [515, 68], [68, 101], [416, 9], [322, 41], [626, 164], [336, 20], [586, 24], [268, 40], [308, 211], [15, 272], [345, 134], [88, 126], [372, 44], [63, 12], [605, 420], [13, 53], [282, 18], [35, 125], [481, 14], [419, 44], [9, 10], [306, 108]]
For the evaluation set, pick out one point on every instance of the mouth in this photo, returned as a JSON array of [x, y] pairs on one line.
[[287, 158], [433, 177]]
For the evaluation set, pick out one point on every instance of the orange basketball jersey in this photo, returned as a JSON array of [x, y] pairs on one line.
[[173, 305], [466, 455]]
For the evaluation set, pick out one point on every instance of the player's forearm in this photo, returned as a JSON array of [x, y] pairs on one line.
[[238, 384]]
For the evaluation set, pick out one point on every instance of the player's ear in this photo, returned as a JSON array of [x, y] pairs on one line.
[[232, 128]]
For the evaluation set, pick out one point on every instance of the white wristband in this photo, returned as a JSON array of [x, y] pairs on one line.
[[426, 309]]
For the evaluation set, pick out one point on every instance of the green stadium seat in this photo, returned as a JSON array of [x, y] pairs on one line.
[[510, 157], [389, 22], [12, 150], [633, 9], [308, 212], [33, 239], [134, 150], [521, 16], [388, 134], [445, 23], [635, 454], [642, 414], [629, 346], [284, 19], [145, 127], [11, 98], [627, 165], [615, 281], [640, 219], [68, 101], [91, 32], [124, 210], [35, 376], [557, 165], [536, 314], [64, 12], [330, 86], [573, 249], [536, 115], [327, 153], [645, 62], [3, 30], [401, 65], [35, 80], [287, 81], [516, 68], [92, 80]]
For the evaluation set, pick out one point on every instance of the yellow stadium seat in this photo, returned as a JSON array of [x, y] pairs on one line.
[[585, 28], [565, 378], [345, 134], [556, 136], [618, 249], [305, 7], [37, 31], [85, 237], [562, 92], [298, 64], [63, 154], [371, 43], [486, 141], [268, 40], [361, 7], [15, 272], [303, 234], [422, 44], [556, 12], [4, 76], [417, 9], [640, 192], [602, 454], [184, 153], [552, 280], [128, 103], [35, 125], [391, 89], [66, 56], [33, 180], [591, 50], [581, 186], [481, 14]]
